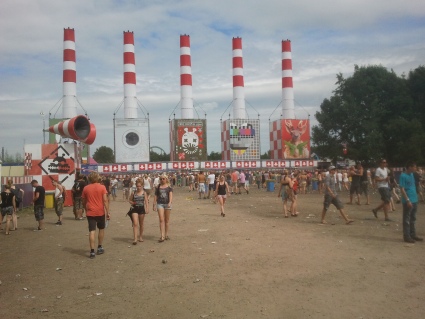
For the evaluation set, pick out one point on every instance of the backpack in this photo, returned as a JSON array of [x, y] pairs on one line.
[[76, 189]]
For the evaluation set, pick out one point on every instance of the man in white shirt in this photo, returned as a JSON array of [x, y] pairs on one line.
[[382, 179], [210, 180], [156, 181]]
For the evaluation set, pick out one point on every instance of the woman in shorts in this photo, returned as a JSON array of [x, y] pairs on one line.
[[221, 191], [139, 207], [286, 190], [162, 203], [147, 186]]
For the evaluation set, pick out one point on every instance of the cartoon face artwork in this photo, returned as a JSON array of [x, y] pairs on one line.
[[190, 141]]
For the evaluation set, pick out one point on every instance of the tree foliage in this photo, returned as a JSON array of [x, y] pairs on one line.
[[10, 159], [163, 157], [104, 154], [214, 156], [377, 114]]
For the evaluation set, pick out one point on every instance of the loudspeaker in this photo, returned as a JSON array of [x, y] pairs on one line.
[[78, 128], [131, 140]]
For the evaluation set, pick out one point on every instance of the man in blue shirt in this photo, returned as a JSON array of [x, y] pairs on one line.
[[409, 200]]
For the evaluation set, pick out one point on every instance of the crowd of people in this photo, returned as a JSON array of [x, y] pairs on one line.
[[92, 195]]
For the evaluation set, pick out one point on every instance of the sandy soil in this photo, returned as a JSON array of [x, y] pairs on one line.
[[253, 263]]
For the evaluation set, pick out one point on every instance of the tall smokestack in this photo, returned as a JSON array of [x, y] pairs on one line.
[[69, 109], [186, 78], [238, 82], [130, 100], [288, 109]]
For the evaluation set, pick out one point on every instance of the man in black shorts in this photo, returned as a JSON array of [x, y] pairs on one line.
[[38, 201], [96, 204]]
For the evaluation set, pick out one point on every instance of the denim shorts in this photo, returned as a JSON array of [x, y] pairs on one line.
[[164, 206], [7, 211]]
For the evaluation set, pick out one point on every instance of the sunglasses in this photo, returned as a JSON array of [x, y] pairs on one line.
[[162, 179]]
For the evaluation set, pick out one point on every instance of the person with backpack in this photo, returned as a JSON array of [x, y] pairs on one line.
[[77, 191], [19, 195], [8, 206]]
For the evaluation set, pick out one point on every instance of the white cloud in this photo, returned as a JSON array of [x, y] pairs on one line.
[[328, 37]]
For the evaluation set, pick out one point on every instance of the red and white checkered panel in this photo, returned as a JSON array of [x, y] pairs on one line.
[[303, 164], [275, 164], [215, 165], [16, 179], [115, 168], [53, 162], [246, 164], [276, 140], [225, 142], [150, 166], [183, 165]]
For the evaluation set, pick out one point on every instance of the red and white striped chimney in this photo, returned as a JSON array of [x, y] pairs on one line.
[[186, 78], [238, 81], [130, 100], [288, 109], [69, 107]]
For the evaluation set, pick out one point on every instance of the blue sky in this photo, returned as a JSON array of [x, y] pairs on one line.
[[328, 37]]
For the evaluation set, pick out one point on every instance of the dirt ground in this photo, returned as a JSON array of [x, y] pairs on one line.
[[253, 263]]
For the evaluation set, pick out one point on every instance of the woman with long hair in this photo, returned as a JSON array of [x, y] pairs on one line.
[[286, 185], [162, 203], [139, 208], [221, 192]]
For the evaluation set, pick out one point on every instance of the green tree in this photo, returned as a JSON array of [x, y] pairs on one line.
[[266, 155], [214, 156], [7, 158], [104, 154], [163, 157], [374, 113]]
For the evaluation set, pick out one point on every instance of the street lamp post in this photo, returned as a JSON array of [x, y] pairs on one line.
[[44, 126]]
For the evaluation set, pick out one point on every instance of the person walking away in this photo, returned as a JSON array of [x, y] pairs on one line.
[[126, 188], [58, 201], [147, 186], [201, 185], [409, 199], [8, 206], [382, 179], [162, 203], [96, 204], [19, 196], [38, 201], [331, 197], [241, 182], [211, 180], [287, 193], [77, 191], [114, 187], [356, 174], [139, 207], [364, 185]]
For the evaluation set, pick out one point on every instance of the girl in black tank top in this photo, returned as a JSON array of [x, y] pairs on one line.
[[221, 192]]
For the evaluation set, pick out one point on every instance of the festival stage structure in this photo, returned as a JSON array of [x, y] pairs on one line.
[[188, 136], [289, 137], [131, 133], [240, 135]]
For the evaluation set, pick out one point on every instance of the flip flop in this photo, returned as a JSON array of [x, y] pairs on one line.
[[161, 240], [349, 222], [134, 242]]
